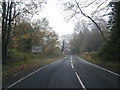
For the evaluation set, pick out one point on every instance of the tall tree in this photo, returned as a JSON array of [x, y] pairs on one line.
[[75, 7], [6, 27], [111, 50], [85, 38], [9, 13]]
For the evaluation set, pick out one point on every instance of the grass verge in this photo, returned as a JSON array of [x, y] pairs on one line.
[[90, 57], [13, 69]]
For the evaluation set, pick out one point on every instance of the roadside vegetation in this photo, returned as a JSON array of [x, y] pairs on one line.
[[20, 32], [97, 40], [22, 29], [28, 64], [93, 58]]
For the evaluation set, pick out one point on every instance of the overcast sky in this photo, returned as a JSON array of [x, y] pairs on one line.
[[53, 11]]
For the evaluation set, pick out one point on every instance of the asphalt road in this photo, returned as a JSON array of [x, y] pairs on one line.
[[69, 72]]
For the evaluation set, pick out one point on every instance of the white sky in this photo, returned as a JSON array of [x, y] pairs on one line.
[[54, 14], [53, 11]]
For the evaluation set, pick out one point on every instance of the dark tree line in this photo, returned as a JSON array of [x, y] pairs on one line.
[[89, 40], [8, 16], [75, 7], [111, 50], [86, 40], [10, 11]]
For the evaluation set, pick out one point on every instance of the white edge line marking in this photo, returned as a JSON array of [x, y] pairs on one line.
[[80, 81], [107, 70], [25, 77], [28, 75], [102, 68], [72, 66]]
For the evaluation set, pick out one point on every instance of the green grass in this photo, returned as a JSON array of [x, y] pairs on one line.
[[90, 57], [14, 68]]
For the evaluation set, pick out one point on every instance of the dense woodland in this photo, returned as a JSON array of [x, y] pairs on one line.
[[111, 49], [20, 33], [96, 35]]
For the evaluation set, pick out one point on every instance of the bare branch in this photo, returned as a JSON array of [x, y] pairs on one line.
[[105, 15], [70, 7], [73, 15], [99, 6], [88, 4], [91, 20]]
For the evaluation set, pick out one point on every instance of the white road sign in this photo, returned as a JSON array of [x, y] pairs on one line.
[[36, 49]]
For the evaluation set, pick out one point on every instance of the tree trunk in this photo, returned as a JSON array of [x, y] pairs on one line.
[[6, 29], [63, 46], [3, 32]]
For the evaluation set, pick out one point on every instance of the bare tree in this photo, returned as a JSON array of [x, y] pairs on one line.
[[91, 20], [76, 8], [10, 10], [85, 40]]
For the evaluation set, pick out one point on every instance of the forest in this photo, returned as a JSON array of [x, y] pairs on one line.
[[19, 33], [96, 34]]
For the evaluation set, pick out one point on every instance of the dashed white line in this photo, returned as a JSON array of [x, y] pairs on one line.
[[71, 58], [83, 86], [71, 63], [80, 81], [72, 66]]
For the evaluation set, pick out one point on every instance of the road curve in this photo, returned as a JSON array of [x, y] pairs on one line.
[[69, 72]]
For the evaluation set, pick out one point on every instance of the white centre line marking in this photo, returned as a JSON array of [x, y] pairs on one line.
[[80, 81], [71, 59], [71, 63], [72, 66]]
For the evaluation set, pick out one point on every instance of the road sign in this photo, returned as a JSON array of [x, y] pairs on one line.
[[36, 49]]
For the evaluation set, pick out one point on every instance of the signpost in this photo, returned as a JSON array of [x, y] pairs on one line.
[[37, 49]]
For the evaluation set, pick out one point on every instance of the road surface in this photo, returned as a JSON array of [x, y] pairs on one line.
[[69, 72]]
